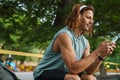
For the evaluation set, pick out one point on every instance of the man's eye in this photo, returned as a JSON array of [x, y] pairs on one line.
[[88, 17]]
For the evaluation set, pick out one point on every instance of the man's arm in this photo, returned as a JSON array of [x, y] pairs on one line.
[[96, 64], [93, 67], [68, 54]]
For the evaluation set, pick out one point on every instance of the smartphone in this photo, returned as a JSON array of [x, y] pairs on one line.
[[114, 39]]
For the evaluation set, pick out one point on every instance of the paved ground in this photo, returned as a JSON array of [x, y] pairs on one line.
[[25, 75]]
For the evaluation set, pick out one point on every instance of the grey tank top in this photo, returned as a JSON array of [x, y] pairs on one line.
[[53, 60]]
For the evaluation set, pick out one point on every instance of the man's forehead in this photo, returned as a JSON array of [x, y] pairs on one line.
[[88, 12]]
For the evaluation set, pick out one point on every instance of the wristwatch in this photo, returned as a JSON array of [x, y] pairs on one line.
[[100, 58]]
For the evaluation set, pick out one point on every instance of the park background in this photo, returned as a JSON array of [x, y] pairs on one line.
[[29, 25]]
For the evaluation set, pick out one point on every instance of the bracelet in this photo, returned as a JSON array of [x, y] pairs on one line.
[[100, 58]]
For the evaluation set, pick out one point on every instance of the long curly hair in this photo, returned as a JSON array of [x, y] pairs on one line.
[[73, 19]]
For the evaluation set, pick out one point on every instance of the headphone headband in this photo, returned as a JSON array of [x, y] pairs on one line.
[[83, 6]]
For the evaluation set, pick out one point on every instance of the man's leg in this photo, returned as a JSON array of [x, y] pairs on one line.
[[88, 77], [52, 75], [71, 77], [57, 75]]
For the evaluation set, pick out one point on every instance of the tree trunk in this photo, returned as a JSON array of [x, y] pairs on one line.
[[61, 12]]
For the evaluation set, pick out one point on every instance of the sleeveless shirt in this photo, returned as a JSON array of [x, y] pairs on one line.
[[53, 60]]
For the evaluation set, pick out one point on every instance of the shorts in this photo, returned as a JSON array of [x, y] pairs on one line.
[[53, 75]]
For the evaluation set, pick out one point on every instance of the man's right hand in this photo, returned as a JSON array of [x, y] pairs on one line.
[[106, 48]]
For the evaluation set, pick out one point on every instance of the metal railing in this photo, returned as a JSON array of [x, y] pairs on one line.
[[20, 53]]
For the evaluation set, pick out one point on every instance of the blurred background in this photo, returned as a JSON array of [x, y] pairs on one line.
[[27, 27]]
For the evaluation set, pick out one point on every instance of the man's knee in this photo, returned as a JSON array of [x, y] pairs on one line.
[[91, 77], [71, 77], [88, 77]]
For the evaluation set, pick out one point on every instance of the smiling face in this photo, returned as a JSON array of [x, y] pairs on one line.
[[80, 19], [86, 20]]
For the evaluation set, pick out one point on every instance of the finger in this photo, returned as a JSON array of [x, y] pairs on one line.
[[112, 47], [108, 50], [106, 39], [112, 43]]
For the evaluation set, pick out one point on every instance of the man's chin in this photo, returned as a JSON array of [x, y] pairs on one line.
[[87, 29]]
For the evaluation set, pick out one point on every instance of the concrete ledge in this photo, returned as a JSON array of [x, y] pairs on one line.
[[109, 77]]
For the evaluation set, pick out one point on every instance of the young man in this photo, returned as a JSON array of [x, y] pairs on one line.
[[68, 55]]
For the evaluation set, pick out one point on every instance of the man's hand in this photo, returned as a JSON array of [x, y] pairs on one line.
[[106, 48]]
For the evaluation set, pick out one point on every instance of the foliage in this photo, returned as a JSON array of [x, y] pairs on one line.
[[29, 24]]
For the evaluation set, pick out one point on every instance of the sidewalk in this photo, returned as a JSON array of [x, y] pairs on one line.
[[24, 75]]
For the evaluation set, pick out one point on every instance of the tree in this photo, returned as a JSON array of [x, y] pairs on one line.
[[32, 23]]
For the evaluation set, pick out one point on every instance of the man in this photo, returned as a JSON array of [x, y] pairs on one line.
[[68, 55]]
